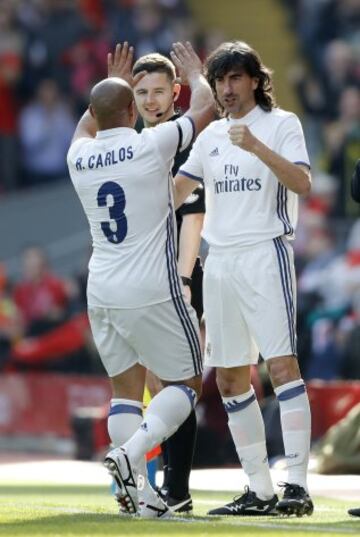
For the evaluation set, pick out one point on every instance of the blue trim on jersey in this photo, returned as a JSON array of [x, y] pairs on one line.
[[178, 149], [285, 274], [190, 176], [291, 229], [189, 392], [176, 295], [290, 284], [125, 409], [303, 163], [235, 406], [282, 211], [291, 393]]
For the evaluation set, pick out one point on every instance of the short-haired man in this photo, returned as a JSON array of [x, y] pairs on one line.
[[137, 313], [155, 97], [253, 164]]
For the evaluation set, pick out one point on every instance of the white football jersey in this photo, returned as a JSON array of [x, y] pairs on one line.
[[245, 202], [124, 183]]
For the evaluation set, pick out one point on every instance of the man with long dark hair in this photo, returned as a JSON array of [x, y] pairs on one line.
[[253, 163]]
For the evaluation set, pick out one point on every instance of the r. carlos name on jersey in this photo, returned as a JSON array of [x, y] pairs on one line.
[[232, 183], [101, 160]]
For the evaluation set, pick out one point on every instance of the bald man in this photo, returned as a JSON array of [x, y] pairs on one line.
[[137, 312]]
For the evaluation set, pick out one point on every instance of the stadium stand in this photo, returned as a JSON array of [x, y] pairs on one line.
[[317, 74]]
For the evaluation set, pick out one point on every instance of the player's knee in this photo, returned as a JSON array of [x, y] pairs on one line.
[[230, 384], [283, 369], [196, 384]]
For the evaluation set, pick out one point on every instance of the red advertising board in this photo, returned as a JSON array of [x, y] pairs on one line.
[[42, 404]]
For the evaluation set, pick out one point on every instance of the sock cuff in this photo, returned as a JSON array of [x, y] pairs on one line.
[[239, 402], [125, 406], [290, 390], [189, 392]]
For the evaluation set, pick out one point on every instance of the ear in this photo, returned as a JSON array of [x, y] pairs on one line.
[[91, 110], [255, 83], [176, 92], [133, 114]]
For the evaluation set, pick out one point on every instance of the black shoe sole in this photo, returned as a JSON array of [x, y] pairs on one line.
[[126, 499], [294, 508]]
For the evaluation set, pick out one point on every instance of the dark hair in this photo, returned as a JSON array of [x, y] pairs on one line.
[[155, 63], [235, 55]]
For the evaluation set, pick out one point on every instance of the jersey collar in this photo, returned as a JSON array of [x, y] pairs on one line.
[[250, 117], [113, 132]]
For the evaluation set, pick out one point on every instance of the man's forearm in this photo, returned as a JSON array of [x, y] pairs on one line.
[[189, 243], [202, 104], [87, 127], [293, 176]]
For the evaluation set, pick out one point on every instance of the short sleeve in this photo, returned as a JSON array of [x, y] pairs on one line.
[[195, 203], [173, 136], [291, 141], [193, 168]]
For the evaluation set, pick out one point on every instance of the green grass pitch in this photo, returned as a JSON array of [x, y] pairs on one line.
[[78, 511]]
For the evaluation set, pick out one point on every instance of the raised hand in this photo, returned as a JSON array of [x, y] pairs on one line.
[[186, 60], [120, 62]]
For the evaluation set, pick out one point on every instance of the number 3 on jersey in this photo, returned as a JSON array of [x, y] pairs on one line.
[[116, 211]]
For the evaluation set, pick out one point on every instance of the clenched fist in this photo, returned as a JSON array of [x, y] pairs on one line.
[[241, 136]]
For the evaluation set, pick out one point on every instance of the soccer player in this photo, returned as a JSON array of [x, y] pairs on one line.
[[155, 97], [253, 164], [137, 313]]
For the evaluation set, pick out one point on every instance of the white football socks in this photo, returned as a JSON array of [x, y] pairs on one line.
[[125, 417], [164, 415], [296, 429], [248, 432]]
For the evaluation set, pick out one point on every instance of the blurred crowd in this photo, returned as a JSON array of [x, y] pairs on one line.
[[53, 51], [328, 238]]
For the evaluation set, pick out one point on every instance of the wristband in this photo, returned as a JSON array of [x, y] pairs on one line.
[[186, 280]]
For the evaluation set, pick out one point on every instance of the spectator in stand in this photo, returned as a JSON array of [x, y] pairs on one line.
[[86, 66], [11, 49], [46, 126], [342, 139], [41, 297], [10, 321]]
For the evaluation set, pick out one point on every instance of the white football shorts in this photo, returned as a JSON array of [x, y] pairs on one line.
[[250, 304], [163, 337]]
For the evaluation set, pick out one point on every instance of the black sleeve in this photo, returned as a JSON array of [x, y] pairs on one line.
[[355, 183], [179, 160], [194, 204]]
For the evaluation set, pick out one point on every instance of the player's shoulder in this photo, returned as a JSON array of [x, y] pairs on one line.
[[77, 145], [280, 116], [214, 129], [162, 129]]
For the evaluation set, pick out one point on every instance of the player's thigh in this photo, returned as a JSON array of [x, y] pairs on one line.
[[271, 299], [168, 340], [115, 352], [228, 340]]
